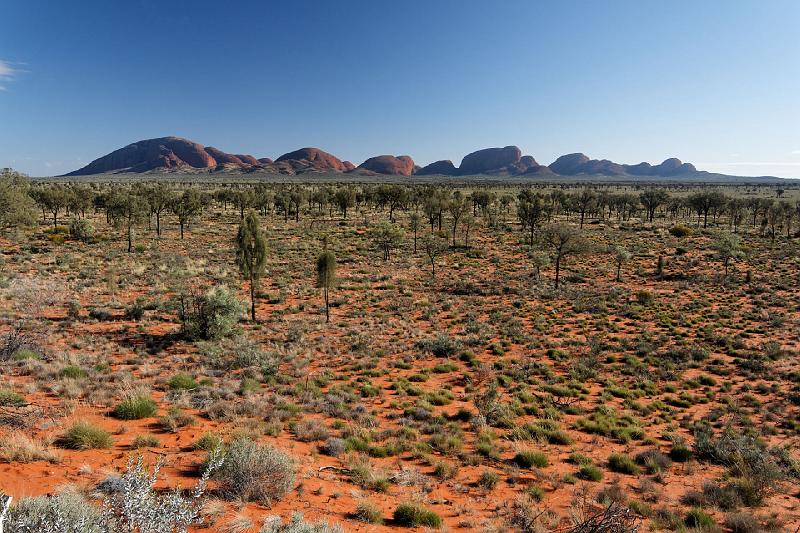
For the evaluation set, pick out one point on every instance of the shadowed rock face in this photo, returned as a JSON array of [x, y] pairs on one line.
[[150, 154], [444, 168], [388, 164], [223, 158], [314, 159], [489, 160]]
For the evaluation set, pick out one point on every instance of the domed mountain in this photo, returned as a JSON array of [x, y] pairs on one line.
[[388, 164], [313, 159]]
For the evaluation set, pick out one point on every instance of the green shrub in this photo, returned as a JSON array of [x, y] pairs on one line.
[[145, 441], [698, 518], [73, 372], [209, 442], [368, 512], [680, 230], [622, 464], [85, 436], [413, 515], [212, 315], [535, 492], [9, 398], [255, 472], [488, 479], [135, 407], [590, 473], [182, 382], [531, 458]]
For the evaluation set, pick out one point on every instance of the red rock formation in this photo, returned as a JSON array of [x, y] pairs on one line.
[[388, 164], [151, 154], [313, 159], [444, 168]]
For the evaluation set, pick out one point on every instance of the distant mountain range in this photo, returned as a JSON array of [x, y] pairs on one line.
[[177, 155]]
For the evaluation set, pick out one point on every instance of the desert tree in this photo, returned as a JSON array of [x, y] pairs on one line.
[[727, 246], [251, 255], [127, 209], [413, 224], [621, 256], [344, 198], [51, 199], [160, 198], [434, 245], [186, 207], [735, 208], [651, 199], [564, 241], [704, 202], [539, 259], [16, 206], [774, 218], [584, 202], [326, 277], [457, 208], [387, 236], [531, 211], [296, 199], [79, 199], [242, 199], [263, 198], [467, 223]]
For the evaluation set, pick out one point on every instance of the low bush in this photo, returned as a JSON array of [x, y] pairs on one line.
[[135, 407], [622, 464], [85, 436], [254, 472], [274, 524], [413, 515], [531, 458]]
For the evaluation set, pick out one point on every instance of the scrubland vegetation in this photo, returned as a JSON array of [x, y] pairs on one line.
[[357, 357]]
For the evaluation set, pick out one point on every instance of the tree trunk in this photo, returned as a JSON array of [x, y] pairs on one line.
[[253, 300], [327, 307], [558, 269]]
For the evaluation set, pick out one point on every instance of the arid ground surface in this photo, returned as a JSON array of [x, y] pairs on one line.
[[482, 393]]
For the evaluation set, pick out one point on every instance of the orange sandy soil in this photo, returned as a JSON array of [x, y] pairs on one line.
[[486, 298]]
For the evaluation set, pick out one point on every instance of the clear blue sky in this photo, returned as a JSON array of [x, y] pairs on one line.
[[714, 82]]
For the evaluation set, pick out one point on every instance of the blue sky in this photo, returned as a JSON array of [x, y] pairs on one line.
[[714, 82]]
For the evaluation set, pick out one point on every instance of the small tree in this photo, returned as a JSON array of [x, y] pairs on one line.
[[540, 259], [467, 222], [387, 236], [187, 207], [457, 208], [210, 316], [621, 256], [344, 198], [127, 209], [728, 246], [564, 240], [413, 223], [434, 245], [651, 199], [16, 206], [160, 197], [326, 277], [531, 212], [251, 255]]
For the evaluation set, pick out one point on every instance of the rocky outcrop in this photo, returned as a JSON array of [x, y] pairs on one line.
[[165, 152], [581, 164], [444, 167], [670, 167], [306, 159], [489, 160], [388, 164], [174, 154]]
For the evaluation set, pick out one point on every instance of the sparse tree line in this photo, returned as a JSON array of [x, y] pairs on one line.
[[435, 218]]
